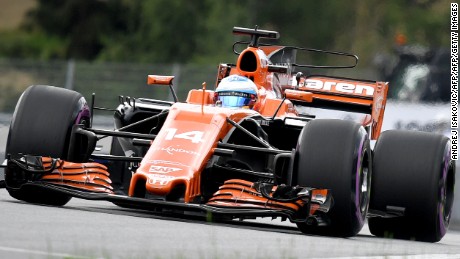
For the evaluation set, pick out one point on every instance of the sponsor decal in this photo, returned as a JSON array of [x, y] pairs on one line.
[[342, 87], [166, 162], [163, 169], [159, 179], [177, 149]]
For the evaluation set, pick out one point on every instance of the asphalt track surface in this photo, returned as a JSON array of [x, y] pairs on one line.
[[89, 229], [98, 229]]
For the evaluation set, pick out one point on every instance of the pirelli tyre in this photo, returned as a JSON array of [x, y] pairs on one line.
[[41, 125], [412, 175], [336, 155]]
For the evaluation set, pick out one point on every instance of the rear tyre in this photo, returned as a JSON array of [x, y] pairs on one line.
[[412, 171], [336, 155], [41, 126]]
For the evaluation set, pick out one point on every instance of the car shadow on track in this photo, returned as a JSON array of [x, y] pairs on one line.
[[260, 224]]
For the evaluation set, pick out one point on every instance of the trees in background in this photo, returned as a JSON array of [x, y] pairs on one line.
[[169, 31]]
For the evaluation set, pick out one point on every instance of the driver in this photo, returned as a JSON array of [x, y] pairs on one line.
[[236, 91]]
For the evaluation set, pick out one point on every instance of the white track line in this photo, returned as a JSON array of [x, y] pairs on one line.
[[37, 252]]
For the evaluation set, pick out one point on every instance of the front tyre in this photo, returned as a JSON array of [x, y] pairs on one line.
[[41, 126], [412, 172], [336, 155]]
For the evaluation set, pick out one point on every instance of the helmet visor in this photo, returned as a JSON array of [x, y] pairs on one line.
[[235, 99]]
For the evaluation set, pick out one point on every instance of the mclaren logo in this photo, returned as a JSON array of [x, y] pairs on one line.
[[342, 87], [162, 169]]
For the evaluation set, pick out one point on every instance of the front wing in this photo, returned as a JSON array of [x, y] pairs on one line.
[[172, 207], [234, 199]]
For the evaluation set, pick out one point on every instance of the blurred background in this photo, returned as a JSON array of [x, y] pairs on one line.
[[111, 45], [108, 47]]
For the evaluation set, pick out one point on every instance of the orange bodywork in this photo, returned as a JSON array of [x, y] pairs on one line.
[[159, 80], [192, 130], [182, 148], [242, 194], [370, 95], [200, 97], [85, 176]]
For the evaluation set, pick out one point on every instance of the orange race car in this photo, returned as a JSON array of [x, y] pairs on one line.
[[251, 147]]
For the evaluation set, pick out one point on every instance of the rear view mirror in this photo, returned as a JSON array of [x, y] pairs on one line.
[[159, 80]]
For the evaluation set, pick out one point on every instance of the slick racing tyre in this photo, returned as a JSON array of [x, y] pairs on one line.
[[414, 174], [41, 126], [336, 155]]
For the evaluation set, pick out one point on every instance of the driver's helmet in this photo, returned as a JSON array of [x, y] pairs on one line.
[[236, 92]]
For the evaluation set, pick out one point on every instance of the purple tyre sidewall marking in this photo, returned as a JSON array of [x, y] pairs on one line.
[[358, 180], [83, 113]]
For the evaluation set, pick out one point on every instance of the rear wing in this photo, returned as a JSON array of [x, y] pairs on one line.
[[352, 95]]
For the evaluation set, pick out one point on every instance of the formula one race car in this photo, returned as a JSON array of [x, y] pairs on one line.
[[242, 150]]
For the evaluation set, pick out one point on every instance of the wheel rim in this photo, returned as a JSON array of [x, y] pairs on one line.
[[363, 179], [446, 193], [364, 190], [84, 114]]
